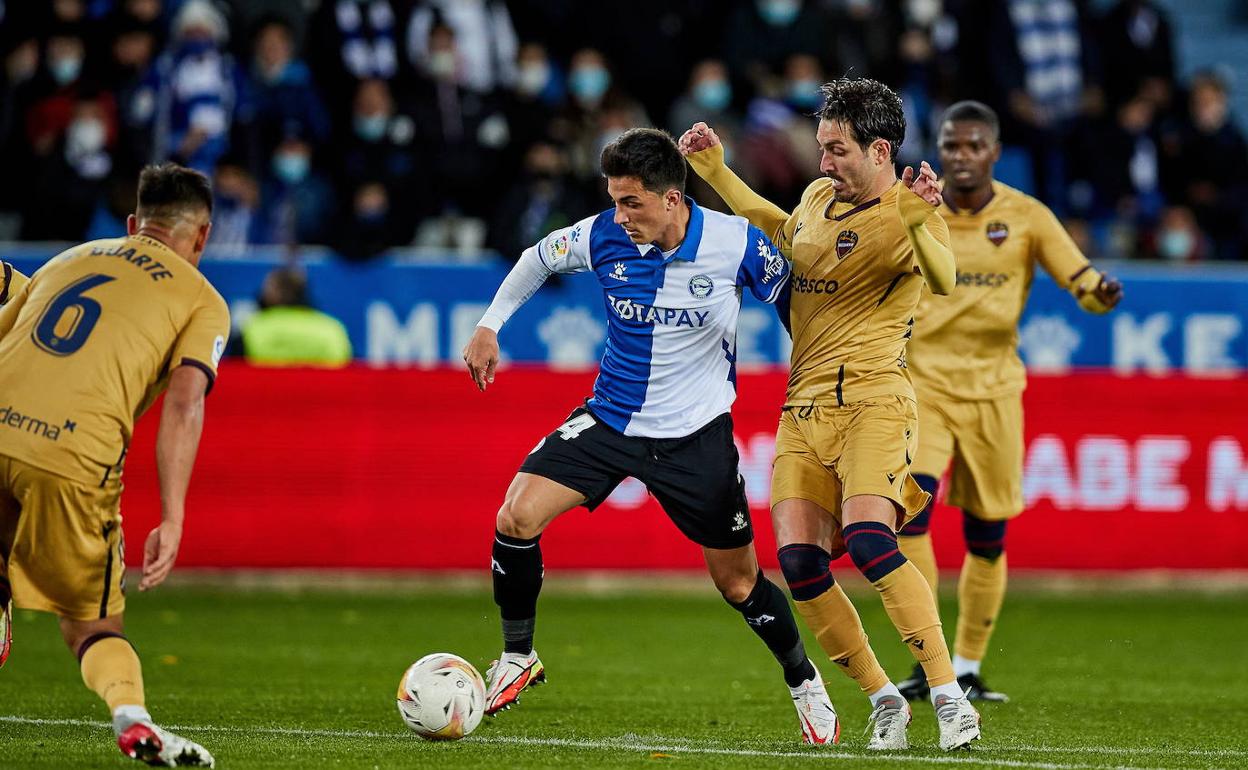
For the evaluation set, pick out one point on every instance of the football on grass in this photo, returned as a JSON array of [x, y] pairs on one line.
[[442, 697]]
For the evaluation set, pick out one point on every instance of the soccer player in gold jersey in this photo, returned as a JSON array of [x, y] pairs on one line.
[[968, 376], [85, 348], [11, 282], [862, 246]]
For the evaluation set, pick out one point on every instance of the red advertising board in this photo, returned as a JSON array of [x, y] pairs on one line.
[[404, 468]]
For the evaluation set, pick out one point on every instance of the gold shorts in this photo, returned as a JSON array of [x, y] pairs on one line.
[[61, 542], [985, 441], [828, 454]]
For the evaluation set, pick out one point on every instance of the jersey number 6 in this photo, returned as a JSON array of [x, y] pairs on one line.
[[73, 314]]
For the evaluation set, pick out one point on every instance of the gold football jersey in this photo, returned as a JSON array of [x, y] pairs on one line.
[[855, 287], [88, 345], [965, 345], [11, 282]]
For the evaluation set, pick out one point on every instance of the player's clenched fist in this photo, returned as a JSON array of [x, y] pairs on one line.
[[1095, 291], [700, 137], [481, 356]]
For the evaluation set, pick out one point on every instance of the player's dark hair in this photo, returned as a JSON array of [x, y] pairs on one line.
[[647, 154], [169, 190], [870, 109], [973, 112]]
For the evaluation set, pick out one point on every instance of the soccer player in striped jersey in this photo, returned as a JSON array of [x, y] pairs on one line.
[[672, 275]]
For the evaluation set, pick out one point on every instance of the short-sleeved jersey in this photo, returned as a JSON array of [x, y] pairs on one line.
[[89, 344], [854, 289], [11, 282], [669, 367], [965, 345]]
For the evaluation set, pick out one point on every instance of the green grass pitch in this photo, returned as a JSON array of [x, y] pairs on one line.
[[638, 678]]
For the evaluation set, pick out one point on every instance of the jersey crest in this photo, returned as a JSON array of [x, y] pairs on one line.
[[846, 240], [997, 232]]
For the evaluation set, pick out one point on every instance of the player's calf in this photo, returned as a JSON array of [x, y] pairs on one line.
[[767, 613]]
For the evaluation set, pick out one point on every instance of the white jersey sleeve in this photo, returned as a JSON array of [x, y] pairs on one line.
[[562, 251]]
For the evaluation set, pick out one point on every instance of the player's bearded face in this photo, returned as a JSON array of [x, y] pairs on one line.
[[844, 161], [644, 214], [968, 151]]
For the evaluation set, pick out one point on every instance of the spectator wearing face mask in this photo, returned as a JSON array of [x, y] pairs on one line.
[[486, 40], [1205, 165], [55, 90], [69, 181], [537, 96], [354, 40], [761, 34], [775, 146], [286, 99], [382, 147], [598, 111], [191, 94], [1178, 238], [296, 201], [463, 132]]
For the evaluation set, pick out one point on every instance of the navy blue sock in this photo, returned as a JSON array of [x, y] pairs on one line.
[[984, 538], [767, 613]]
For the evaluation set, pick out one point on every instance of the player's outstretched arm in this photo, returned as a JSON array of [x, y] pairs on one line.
[[177, 441], [702, 148], [1058, 254], [917, 208]]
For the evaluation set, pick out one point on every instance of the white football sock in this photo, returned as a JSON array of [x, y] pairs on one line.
[[886, 690], [951, 690], [963, 666]]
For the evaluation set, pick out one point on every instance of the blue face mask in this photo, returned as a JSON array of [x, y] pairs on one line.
[[370, 128], [779, 13], [291, 167], [65, 71], [1175, 244], [712, 95], [589, 84], [804, 94]]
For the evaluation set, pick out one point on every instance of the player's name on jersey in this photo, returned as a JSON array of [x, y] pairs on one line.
[[154, 268]]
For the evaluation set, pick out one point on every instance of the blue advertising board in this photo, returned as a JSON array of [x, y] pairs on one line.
[[1190, 319]]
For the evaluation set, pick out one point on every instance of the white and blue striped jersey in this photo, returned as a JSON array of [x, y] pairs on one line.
[[670, 361]]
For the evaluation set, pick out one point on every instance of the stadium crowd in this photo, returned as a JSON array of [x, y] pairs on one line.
[[460, 124]]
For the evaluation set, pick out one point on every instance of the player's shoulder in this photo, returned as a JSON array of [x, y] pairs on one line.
[[719, 223], [1014, 198]]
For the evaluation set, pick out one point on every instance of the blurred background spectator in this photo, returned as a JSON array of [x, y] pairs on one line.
[[462, 124], [288, 331]]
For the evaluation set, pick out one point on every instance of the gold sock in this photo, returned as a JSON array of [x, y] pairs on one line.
[[981, 590], [836, 625], [111, 668], [918, 550], [909, 602]]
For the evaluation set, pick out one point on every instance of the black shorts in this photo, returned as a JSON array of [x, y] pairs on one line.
[[694, 478]]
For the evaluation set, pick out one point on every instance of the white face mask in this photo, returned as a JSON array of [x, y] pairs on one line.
[[85, 136], [532, 78], [442, 65]]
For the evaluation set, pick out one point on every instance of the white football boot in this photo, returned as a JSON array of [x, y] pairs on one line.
[[6, 631], [959, 722], [148, 743], [887, 724], [816, 714], [508, 676]]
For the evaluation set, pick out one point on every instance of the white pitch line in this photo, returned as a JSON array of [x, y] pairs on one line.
[[658, 744]]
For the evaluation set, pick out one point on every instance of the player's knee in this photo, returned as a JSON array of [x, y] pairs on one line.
[[873, 548], [519, 518], [737, 588], [79, 635], [806, 569], [985, 539]]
